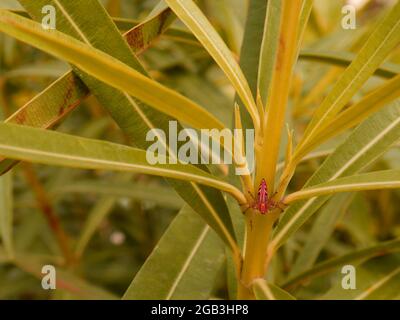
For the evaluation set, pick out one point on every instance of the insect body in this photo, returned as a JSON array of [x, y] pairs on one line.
[[262, 198], [263, 203]]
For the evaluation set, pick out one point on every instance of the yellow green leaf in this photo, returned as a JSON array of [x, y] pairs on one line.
[[378, 46], [387, 179], [108, 69], [195, 20]]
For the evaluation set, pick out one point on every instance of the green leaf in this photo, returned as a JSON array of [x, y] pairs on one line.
[[195, 20], [321, 231], [356, 113], [378, 279], [166, 196], [53, 104], [54, 148], [6, 213], [95, 217], [49, 107], [382, 41], [49, 147], [109, 70], [227, 14], [65, 280], [183, 265], [354, 257], [369, 141], [267, 291], [344, 59], [47, 69], [133, 117], [305, 14], [269, 47], [143, 35], [387, 179], [250, 51]]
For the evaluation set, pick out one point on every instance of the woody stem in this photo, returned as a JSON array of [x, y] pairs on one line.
[[259, 227]]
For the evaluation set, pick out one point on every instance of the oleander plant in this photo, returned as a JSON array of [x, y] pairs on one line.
[[102, 106]]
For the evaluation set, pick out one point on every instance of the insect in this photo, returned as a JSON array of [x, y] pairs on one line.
[[264, 203]]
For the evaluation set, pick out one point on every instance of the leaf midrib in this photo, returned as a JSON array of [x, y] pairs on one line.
[[118, 165], [188, 260]]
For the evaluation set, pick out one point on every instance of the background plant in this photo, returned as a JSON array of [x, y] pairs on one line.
[[134, 66]]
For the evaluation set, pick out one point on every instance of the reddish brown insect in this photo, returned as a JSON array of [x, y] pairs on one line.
[[263, 201]]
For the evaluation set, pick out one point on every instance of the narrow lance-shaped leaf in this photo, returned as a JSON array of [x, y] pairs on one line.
[[305, 14], [195, 20], [344, 59], [56, 101], [377, 279], [321, 231], [6, 213], [49, 147], [310, 156], [250, 51], [387, 179], [143, 35], [385, 284], [49, 107], [354, 257], [197, 256], [369, 141], [132, 116], [166, 196], [65, 280], [355, 114], [269, 47], [227, 14], [108, 69], [382, 41], [6, 210], [53, 104]]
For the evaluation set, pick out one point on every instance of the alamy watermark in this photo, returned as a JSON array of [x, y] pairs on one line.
[[49, 277], [190, 147], [349, 278], [49, 18], [349, 20]]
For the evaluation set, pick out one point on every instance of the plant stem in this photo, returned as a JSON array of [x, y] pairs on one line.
[[259, 229], [274, 120]]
